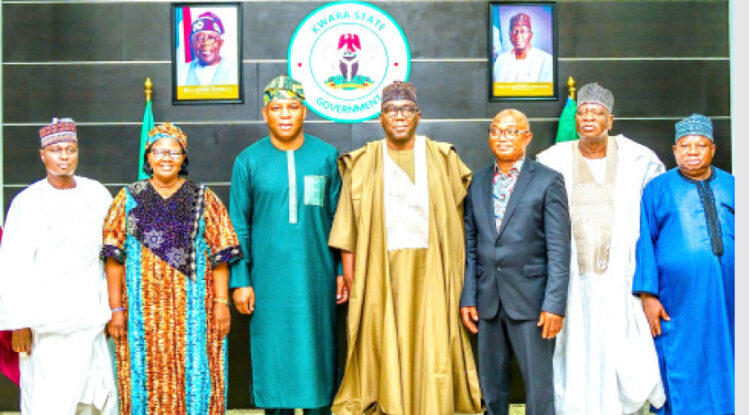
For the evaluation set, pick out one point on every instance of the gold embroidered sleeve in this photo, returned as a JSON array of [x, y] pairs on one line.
[[115, 229], [219, 234]]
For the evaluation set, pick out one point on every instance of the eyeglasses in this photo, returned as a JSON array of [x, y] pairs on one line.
[[206, 38], [508, 132], [406, 111], [162, 153]]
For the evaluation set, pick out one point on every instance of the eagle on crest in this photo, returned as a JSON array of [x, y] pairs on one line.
[[348, 47]]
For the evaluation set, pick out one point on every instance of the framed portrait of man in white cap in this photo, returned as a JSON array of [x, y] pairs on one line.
[[522, 51], [207, 53]]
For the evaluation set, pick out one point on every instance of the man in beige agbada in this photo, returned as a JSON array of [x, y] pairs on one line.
[[400, 228]]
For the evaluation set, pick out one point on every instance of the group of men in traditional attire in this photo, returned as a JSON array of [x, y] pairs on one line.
[[611, 281]]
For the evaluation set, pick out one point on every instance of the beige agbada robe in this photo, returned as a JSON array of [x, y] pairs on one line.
[[407, 350]]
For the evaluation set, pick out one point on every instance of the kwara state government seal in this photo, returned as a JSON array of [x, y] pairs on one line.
[[344, 53]]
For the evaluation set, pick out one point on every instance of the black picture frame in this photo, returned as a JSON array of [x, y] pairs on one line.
[[188, 69], [511, 82]]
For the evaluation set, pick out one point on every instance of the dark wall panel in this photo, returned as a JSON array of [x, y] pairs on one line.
[[63, 32], [682, 88], [113, 93], [146, 32], [95, 93], [640, 29], [212, 148], [102, 154], [140, 31]]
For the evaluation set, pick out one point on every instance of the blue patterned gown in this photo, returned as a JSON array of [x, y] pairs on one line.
[[173, 360], [685, 256]]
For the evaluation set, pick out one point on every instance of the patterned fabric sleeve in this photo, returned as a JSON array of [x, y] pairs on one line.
[[114, 229], [219, 234]]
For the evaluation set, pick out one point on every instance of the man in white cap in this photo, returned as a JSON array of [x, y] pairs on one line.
[[605, 361], [685, 274], [53, 292]]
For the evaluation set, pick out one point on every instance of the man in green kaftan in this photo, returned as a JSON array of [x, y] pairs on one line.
[[282, 201], [400, 228]]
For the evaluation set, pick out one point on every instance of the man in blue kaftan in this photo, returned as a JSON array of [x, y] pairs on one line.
[[685, 274], [282, 201]]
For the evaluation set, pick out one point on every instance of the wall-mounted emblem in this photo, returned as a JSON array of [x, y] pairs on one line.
[[344, 53]]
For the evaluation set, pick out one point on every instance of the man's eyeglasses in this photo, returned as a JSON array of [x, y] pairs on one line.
[[508, 132], [162, 153], [406, 111], [206, 38]]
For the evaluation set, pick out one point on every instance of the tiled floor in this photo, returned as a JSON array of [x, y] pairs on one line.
[[516, 409]]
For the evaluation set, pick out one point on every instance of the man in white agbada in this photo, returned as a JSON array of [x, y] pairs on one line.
[[605, 361], [53, 292], [523, 62]]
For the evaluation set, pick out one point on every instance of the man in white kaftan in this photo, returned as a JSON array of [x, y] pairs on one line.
[[605, 361], [523, 62], [53, 292], [535, 67]]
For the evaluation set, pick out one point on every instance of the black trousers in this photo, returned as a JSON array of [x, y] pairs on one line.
[[497, 339]]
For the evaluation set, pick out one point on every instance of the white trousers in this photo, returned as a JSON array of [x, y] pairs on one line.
[[68, 374]]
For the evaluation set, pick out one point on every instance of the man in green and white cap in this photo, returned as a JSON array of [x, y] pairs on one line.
[[282, 201]]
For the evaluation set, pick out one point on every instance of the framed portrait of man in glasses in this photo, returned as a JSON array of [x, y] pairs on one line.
[[207, 53], [522, 51]]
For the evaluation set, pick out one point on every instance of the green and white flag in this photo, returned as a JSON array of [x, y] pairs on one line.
[[566, 127], [146, 126]]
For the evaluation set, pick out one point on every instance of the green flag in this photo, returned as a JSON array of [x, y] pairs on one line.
[[566, 127], [146, 126]]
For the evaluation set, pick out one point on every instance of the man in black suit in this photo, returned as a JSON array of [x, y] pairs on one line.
[[517, 266]]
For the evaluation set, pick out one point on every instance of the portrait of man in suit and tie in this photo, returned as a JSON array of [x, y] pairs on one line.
[[517, 265]]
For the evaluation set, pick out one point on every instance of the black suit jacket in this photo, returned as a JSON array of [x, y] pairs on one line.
[[525, 266]]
